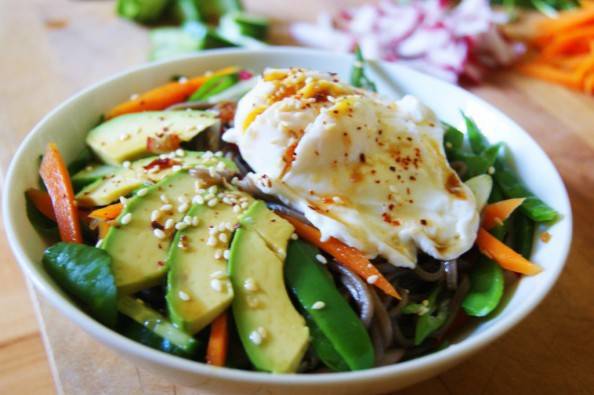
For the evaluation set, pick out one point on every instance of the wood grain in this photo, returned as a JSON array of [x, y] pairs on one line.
[[53, 48]]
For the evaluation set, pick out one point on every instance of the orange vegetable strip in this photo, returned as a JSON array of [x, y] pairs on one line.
[[103, 227], [108, 212], [218, 343], [55, 176], [495, 213], [42, 202], [571, 42], [568, 20], [551, 74], [345, 255], [503, 255], [165, 95]]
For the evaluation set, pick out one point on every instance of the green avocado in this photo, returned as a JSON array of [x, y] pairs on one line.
[[125, 137], [121, 181], [272, 332], [90, 174], [198, 289], [109, 188], [138, 243]]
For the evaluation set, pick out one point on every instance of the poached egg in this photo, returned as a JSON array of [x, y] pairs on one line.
[[364, 170]]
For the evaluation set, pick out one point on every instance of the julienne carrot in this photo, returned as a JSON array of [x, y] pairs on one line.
[[503, 255], [165, 95], [495, 213], [55, 176], [103, 228], [107, 213], [42, 202], [345, 255], [218, 343]]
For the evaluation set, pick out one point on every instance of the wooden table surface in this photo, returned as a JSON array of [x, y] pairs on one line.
[[52, 48]]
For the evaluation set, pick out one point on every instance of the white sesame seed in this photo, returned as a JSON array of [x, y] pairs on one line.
[[223, 238], [182, 245], [221, 226], [318, 305], [294, 236], [169, 223], [127, 164], [244, 205], [125, 136], [188, 220], [253, 301], [159, 234], [212, 172], [256, 338], [250, 285], [175, 168], [164, 198], [166, 208], [219, 274], [321, 258], [337, 199], [211, 242], [182, 199], [142, 192], [372, 279], [182, 208], [213, 189], [123, 200], [99, 242], [263, 332], [180, 152], [218, 154], [213, 202], [392, 188], [236, 209], [134, 96], [229, 226], [212, 230], [209, 196], [198, 199], [181, 226], [195, 221], [491, 170], [153, 170], [182, 80], [183, 296], [126, 218], [218, 254], [226, 254], [216, 284], [207, 155], [155, 214], [235, 180], [220, 167]]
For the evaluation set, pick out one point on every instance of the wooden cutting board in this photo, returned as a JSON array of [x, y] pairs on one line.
[[55, 47]]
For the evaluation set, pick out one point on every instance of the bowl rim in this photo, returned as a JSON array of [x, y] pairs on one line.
[[113, 339]]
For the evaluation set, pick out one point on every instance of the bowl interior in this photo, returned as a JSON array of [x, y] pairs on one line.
[[69, 123]]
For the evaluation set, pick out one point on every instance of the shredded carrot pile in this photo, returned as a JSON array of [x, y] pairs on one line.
[[565, 50]]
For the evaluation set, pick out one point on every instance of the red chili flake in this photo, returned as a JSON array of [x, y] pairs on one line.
[[164, 163], [167, 143], [226, 111], [160, 263], [157, 225], [387, 218], [423, 222], [362, 157]]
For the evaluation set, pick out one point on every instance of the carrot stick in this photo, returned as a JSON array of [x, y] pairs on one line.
[[495, 213], [569, 20], [55, 176], [42, 202], [218, 343], [345, 255], [551, 74], [571, 42], [103, 227], [108, 212], [165, 95], [503, 255]]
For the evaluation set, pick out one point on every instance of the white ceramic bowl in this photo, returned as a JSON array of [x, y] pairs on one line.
[[68, 124]]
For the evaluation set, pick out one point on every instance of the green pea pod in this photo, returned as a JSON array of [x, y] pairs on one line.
[[486, 288], [523, 235], [359, 78], [432, 319], [476, 164], [478, 142], [214, 85], [512, 187], [143, 11], [340, 326], [453, 140], [85, 273]]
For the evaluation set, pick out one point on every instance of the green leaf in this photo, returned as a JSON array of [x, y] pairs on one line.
[[478, 142], [143, 11], [486, 288], [85, 273]]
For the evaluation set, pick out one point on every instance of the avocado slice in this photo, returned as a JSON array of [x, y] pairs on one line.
[[188, 160], [122, 181], [138, 245], [198, 289], [109, 188], [157, 324], [90, 174], [125, 137], [272, 332], [339, 337]]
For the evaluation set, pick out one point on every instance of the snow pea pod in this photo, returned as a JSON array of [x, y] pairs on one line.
[[433, 318], [486, 288], [358, 76], [523, 236]]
